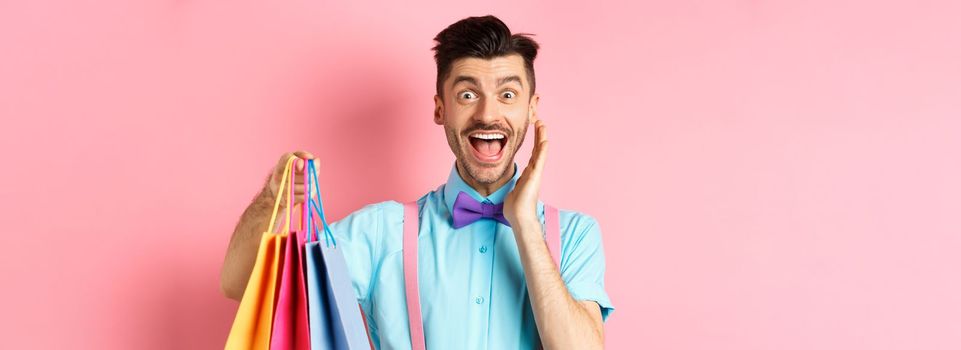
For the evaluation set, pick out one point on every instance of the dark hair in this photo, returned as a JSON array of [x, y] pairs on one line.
[[481, 37]]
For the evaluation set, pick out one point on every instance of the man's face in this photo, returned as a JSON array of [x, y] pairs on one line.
[[485, 109]]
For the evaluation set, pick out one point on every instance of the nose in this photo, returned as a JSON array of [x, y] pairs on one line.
[[487, 111]]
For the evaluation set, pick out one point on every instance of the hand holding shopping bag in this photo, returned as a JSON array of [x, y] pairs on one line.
[[252, 324]]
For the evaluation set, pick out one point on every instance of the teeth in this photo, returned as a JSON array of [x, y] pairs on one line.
[[488, 136]]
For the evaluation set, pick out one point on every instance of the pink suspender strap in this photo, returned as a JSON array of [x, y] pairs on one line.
[[410, 277], [552, 219], [411, 221]]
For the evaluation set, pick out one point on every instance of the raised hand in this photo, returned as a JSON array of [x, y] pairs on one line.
[[520, 205], [278, 172]]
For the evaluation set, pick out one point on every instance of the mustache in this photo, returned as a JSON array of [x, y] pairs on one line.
[[491, 127]]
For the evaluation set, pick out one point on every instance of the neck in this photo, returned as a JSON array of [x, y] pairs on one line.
[[485, 189]]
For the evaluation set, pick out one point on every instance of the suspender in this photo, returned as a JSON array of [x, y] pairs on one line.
[[410, 276], [552, 223], [552, 220]]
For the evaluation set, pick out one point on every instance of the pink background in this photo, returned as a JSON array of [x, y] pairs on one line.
[[767, 175]]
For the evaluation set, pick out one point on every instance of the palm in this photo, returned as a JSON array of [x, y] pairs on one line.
[[520, 205]]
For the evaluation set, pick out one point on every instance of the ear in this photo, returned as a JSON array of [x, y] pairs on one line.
[[532, 109], [438, 110]]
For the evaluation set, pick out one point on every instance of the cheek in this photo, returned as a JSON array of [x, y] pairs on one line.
[[457, 118], [519, 120]]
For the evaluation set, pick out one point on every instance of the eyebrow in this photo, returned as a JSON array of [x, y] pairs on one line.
[[506, 80], [500, 81], [464, 78]]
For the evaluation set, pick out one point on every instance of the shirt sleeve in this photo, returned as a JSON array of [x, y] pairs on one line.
[[582, 262], [358, 235]]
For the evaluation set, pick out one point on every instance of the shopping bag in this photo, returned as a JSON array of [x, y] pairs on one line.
[[321, 328], [252, 324], [290, 328], [336, 321]]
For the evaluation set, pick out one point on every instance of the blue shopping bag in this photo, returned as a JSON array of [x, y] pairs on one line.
[[335, 319]]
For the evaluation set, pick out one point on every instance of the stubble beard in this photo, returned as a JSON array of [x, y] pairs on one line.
[[478, 174]]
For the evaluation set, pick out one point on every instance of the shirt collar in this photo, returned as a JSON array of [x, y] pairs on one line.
[[456, 184]]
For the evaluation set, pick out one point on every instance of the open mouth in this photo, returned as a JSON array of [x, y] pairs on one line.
[[488, 147]]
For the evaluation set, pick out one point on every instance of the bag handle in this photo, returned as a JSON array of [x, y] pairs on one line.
[[290, 195], [318, 206], [284, 190], [311, 229], [305, 219]]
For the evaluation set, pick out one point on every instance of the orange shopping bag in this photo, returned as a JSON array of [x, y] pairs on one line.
[[252, 324]]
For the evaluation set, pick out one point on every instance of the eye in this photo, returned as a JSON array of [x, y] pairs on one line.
[[508, 94], [468, 95]]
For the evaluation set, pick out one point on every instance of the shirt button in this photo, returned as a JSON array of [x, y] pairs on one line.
[[483, 249], [479, 300]]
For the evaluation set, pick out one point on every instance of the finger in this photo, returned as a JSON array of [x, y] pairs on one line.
[[540, 143], [279, 168], [283, 159], [282, 163], [304, 155], [541, 138], [530, 162]]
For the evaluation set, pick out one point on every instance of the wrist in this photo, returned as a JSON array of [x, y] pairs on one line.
[[528, 227]]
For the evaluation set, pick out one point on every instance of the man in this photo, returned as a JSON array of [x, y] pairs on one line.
[[483, 284]]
